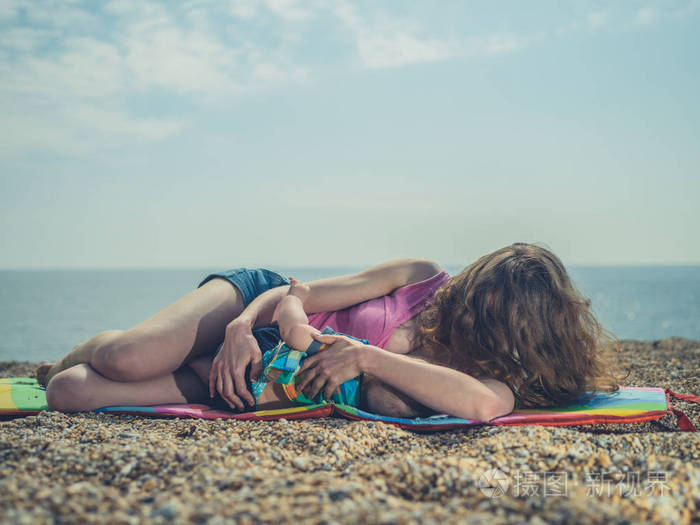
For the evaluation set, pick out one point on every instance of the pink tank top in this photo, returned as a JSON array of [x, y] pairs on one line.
[[376, 319]]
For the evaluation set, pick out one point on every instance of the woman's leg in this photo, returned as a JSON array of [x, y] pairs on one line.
[[194, 325], [80, 388]]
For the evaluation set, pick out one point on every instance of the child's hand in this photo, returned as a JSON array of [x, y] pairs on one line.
[[298, 289]]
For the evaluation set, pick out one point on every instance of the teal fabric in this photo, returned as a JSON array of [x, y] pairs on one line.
[[287, 361]]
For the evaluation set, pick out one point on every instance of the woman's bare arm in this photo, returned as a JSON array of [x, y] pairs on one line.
[[336, 293], [436, 387], [442, 389]]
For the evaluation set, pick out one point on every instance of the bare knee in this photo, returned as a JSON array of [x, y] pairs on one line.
[[120, 357], [298, 336], [67, 390]]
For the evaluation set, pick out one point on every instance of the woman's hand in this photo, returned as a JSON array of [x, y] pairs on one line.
[[227, 375], [328, 369]]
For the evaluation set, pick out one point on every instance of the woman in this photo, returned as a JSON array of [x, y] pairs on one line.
[[509, 328]]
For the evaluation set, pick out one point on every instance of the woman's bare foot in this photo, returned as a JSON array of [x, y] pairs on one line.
[[42, 372], [46, 371]]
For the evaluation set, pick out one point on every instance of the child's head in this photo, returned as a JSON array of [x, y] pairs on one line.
[[514, 315]]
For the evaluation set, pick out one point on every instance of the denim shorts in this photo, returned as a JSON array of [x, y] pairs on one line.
[[251, 282]]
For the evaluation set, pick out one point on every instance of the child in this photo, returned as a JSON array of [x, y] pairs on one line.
[[274, 389]]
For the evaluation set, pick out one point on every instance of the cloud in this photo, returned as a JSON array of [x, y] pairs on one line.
[[272, 74], [116, 122], [164, 56], [289, 9], [627, 16], [64, 68], [7, 10], [597, 18], [243, 9], [388, 43], [645, 16], [383, 42], [107, 59], [22, 39], [399, 48], [79, 70], [75, 130], [656, 13], [497, 44]]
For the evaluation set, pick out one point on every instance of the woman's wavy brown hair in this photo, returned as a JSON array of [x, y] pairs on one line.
[[515, 315]]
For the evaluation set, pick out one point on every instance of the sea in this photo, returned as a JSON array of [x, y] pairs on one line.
[[45, 313]]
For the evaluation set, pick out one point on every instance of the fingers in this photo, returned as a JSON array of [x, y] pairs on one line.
[[325, 338], [313, 380], [255, 368], [213, 376], [220, 384], [229, 395], [300, 381], [305, 375], [241, 388], [331, 388], [317, 385], [309, 362]]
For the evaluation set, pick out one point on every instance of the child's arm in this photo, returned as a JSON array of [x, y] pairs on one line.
[[291, 318]]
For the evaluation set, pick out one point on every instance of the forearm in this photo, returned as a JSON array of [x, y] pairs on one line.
[[336, 293], [333, 293], [443, 389]]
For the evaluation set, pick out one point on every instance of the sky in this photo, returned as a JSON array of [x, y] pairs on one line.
[[335, 133]]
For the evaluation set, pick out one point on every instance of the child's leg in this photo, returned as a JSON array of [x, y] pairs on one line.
[[292, 320], [291, 314]]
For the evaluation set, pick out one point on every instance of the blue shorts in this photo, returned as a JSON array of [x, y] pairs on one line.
[[251, 282]]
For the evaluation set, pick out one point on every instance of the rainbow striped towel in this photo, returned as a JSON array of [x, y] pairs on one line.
[[23, 396]]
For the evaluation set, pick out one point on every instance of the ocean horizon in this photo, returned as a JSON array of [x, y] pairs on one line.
[[45, 312]]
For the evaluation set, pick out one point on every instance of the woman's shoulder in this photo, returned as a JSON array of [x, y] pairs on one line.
[[423, 285], [421, 270], [424, 276]]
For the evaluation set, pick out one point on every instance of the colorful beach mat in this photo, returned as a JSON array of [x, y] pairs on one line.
[[23, 396]]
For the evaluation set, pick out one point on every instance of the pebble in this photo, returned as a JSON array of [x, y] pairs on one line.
[[167, 511], [96, 468]]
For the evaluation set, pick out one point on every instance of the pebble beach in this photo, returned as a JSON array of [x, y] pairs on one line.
[[105, 468]]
